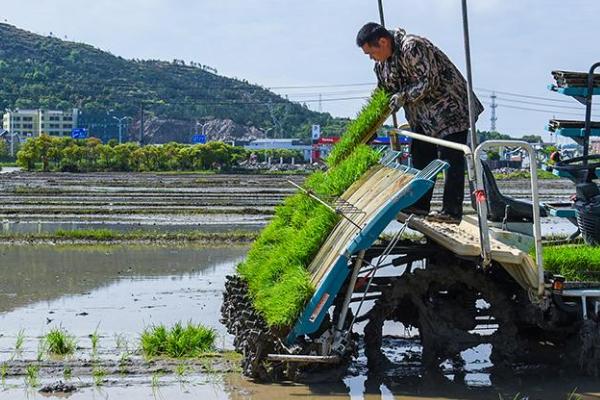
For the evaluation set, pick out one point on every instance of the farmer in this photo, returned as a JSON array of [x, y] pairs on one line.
[[433, 93]]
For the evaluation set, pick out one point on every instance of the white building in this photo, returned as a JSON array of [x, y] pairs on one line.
[[32, 123]]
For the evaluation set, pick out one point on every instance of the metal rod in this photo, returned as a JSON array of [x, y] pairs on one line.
[[381, 19], [470, 95], [335, 211], [380, 261], [350, 290], [588, 111], [304, 358], [440, 142]]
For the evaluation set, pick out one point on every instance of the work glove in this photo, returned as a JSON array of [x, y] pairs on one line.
[[396, 102]]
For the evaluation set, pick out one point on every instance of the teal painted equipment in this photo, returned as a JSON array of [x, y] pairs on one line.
[[331, 283]]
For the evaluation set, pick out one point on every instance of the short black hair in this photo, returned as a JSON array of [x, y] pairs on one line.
[[371, 33]]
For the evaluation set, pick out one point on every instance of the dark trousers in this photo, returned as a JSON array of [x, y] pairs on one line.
[[454, 185]]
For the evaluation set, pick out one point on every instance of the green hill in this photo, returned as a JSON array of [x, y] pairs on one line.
[[46, 72]]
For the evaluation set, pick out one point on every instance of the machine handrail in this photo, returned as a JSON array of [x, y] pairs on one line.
[[537, 231], [472, 176], [475, 175]]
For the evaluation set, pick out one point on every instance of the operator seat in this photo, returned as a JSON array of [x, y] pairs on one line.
[[497, 203]]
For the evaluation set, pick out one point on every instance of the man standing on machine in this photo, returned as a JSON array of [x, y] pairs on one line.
[[433, 93]]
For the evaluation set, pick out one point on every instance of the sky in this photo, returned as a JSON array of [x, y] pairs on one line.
[[306, 49]]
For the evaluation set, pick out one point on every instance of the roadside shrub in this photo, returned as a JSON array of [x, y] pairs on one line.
[[178, 341], [90, 155]]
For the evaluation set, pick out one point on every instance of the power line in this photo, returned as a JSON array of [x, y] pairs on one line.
[[540, 110], [321, 86], [540, 104], [513, 94]]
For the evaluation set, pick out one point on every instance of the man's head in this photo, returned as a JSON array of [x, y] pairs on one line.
[[375, 41]]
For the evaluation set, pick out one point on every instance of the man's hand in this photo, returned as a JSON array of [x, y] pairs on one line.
[[396, 102]]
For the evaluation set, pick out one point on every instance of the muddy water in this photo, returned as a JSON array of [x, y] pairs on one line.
[[119, 290], [115, 289]]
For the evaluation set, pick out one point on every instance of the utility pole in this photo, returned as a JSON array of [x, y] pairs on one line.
[[12, 144], [493, 119], [320, 102], [470, 94], [141, 122], [120, 120], [381, 12]]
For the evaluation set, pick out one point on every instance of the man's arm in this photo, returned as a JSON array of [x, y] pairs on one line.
[[422, 73]]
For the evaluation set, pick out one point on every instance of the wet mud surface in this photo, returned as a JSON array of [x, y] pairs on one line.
[[46, 202]]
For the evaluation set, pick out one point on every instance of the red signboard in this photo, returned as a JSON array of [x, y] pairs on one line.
[[328, 140]]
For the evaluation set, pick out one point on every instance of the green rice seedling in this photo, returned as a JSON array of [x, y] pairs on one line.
[[123, 361], [574, 395], [3, 372], [178, 341], [362, 127], [95, 338], [121, 342], [31, 375], [276, 266], [155, 384], [67, 373], [181, 370], [20, 341], [574, 262], [98, 375], [90, 234], [59, 342]]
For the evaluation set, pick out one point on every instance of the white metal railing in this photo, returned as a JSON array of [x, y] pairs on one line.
[[475, 176]]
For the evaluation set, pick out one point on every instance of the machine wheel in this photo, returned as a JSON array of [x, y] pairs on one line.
[[255, 340], [441, 302]]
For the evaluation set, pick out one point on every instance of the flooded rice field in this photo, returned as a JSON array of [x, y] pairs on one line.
[[113, 292], [36, 202], [117, 291]]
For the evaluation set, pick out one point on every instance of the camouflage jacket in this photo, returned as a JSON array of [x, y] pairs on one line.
[[433, 90]]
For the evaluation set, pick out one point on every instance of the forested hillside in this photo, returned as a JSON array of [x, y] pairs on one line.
[[38, 71]]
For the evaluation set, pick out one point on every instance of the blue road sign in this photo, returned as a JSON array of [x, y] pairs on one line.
[[199, 139], [79, 133]]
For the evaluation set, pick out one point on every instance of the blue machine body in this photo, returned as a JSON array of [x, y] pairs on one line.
[[327, 290]]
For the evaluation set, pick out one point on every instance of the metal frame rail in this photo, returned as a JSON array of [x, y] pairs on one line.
[[588, 110], [475, 176]]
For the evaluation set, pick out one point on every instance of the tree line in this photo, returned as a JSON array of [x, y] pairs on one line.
[[50, 153]]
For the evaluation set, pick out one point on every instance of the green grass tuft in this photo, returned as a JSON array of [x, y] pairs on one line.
[[362, 126], [59, 342], [575, 262], [179, 341]]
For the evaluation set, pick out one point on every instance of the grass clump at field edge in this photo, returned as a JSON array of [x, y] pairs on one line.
[[276, 266], [178, 341], [59, 342], [575, 262]]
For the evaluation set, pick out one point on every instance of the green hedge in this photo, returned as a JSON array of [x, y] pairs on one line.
[[90, 155], [276, 265]]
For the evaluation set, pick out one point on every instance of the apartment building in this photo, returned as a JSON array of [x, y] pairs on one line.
[[31, 123]]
